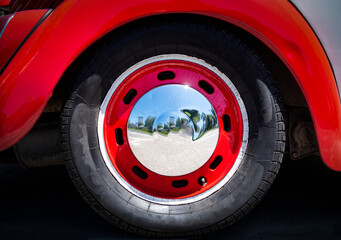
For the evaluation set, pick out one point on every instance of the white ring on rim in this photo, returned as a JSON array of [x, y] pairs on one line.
[[106, 157]]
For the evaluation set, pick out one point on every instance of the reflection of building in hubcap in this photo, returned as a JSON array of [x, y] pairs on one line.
[[173, 130]]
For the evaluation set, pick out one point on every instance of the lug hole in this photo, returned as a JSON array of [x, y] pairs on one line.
[[129, 96], [206, 86], [119, 136], [166, 75], [179, 183], [139, 172], [227, 123], [216, 162]]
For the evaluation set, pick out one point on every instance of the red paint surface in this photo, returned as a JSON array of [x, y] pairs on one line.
[[15, 32], [5, 2], [69, 30], [144, 80]]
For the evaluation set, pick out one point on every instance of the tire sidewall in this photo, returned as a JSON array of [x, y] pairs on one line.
[[221, 51]]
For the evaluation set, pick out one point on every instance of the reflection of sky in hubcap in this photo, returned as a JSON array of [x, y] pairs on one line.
[[173, 130]]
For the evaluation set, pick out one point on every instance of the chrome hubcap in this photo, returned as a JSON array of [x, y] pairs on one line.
[[173, 130]]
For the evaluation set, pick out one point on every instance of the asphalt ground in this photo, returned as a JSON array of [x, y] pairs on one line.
[[303, 203]]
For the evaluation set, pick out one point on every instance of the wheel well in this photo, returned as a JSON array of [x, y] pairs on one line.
[[289, 89]]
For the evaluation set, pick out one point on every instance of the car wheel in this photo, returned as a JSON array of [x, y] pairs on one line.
[[173, 128]]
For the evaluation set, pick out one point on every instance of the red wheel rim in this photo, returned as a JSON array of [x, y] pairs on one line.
[[142, 80]]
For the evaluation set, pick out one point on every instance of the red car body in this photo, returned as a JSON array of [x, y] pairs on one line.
[[28, 80], [172, 117]]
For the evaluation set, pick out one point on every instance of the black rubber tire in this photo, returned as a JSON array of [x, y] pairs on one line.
[[221, 49]]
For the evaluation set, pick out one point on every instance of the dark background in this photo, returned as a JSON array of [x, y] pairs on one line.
[[303, 203]]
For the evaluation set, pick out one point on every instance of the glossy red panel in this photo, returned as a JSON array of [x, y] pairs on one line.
[[5, 2], [15, 32], [74, 26]]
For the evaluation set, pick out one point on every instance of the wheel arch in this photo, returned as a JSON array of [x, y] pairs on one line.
[[288, 36], [287, 84]]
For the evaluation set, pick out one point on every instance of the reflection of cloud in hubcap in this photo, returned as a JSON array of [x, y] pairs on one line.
[[173, 130]]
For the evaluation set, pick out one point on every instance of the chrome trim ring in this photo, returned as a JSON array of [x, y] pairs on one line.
[[166, 201]]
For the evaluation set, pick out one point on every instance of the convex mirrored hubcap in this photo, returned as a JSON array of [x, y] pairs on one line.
[[172, 129]]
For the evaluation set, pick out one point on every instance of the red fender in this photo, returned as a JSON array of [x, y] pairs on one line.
[[5, 2], [29, 80], [11, 37]]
